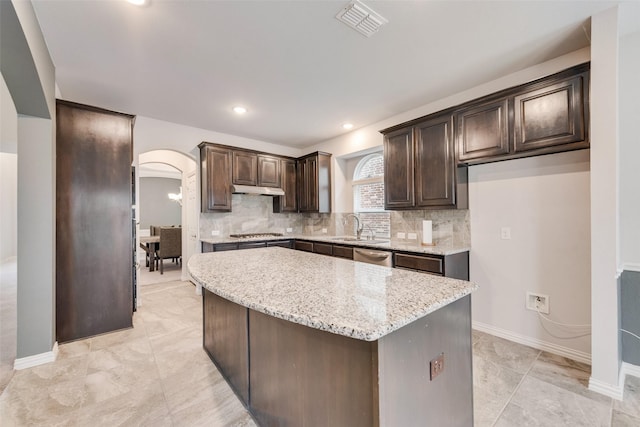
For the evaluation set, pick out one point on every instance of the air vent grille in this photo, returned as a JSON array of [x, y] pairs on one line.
[[361, 18]]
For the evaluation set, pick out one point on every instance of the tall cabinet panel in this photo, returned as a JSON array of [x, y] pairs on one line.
[[94, 281], [398, 169], [215, 178]]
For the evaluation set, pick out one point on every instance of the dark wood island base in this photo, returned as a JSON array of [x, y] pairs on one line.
[[287, 374]]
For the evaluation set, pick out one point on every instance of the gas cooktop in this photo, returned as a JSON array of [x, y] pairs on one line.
[[254, 235]]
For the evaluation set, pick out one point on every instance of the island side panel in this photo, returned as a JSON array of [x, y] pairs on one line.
[[226, 340], [408, 397], [302, 376]]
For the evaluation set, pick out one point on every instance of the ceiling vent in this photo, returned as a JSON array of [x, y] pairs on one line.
[[361, 18]]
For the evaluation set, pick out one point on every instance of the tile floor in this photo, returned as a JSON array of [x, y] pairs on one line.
[[157, 374]]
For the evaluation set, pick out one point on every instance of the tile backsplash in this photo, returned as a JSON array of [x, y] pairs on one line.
[[252, 214]]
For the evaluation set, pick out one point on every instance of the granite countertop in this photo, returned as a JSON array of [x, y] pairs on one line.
[[391, 245], [340, 296]]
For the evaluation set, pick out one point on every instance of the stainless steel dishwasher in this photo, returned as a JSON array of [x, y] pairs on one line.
[[373, 256]]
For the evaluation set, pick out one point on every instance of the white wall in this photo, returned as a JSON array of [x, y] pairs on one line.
[[605, 246], [629, 101], [8, 174], [545, 202]]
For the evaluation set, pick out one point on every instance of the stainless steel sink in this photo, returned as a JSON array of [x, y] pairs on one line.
[[356, 240]]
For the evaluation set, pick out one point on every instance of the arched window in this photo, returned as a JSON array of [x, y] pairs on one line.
[[368, 195]]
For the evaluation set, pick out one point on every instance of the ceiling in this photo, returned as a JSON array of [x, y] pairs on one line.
[[299, 71]]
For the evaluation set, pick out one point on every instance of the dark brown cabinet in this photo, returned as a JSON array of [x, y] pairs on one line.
[[323, 248], [314, 183], [483, 130], [215, 178], [288, 179], [398, 169], [455, 266], [420, 169], [245, 168], [268, 171], [94, 236], [550, 116], [546, 116]]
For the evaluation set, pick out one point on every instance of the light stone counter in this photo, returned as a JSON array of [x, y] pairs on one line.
[[391, 245], [344, 297]]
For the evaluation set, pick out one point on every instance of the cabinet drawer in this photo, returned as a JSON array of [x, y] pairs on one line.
[[251, 245], [304, 246], [342, 252], [422, 263], [323, 248], [225, 247], [281, 243]]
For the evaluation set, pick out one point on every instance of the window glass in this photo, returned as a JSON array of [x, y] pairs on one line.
[[368, 195]]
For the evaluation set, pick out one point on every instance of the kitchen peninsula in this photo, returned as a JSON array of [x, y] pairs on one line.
[[307, 340]]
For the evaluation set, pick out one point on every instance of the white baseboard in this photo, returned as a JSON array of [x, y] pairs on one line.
[[631, 267], [613, 391], [36, 359], [567, 352], [629, 369]]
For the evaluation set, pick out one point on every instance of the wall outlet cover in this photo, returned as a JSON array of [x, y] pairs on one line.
[[289, 230], [412, 236], [215, 232], [537, 302], [324, 231], [505, 233], [401, 235]]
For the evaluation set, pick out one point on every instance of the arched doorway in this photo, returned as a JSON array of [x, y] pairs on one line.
[[185, 166]]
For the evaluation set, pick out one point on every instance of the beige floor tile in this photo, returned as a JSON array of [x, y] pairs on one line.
[[620, 419], [493, 387], [50, 374], [134, 351], [509, 354], [631, 403], [115, 338], [73, 349], [538, 403], [566, 373]]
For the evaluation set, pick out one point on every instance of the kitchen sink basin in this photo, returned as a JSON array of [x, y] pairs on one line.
[[356, 240]]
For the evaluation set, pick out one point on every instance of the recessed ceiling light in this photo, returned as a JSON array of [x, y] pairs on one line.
[[347, 126], [239, 110], [138, 2]]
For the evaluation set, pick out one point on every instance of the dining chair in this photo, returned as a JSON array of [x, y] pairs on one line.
[[170, 245]]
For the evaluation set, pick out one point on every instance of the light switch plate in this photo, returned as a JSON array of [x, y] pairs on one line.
[[505, 233]]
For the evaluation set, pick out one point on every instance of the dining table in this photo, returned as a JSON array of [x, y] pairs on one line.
[[150, 244]]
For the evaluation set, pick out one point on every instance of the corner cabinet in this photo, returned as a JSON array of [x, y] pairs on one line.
[[314, 183], [215, 178], [420, 170]]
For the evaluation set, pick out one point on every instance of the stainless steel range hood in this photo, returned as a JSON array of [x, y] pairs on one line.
[[258, 191]]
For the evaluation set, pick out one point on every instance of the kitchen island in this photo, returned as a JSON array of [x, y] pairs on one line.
[[307, 340]]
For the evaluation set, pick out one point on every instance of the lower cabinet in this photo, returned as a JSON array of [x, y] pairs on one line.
[[455, 266], [301, 245], [232, 246]]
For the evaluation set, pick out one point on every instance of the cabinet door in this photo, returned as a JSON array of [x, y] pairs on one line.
[[303, 196], [435, 164], [398, 169], [483, 130], [311, 183], [288, 202], [549, 116], [245, 168], [268, 171], [215, 166]]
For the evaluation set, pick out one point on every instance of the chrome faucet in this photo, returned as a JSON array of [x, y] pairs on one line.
[[358, 226]]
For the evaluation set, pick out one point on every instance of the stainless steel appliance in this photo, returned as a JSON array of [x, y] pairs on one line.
[[254, 235], [373, 256]]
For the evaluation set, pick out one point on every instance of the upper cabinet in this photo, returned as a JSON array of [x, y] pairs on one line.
[[546, 116], [268, 171], [245, 168], [215, 178], [314, 183], [420, 170], [288, 202]]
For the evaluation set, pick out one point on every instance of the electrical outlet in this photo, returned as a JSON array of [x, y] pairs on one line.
[[538, 302], [505, 233], [401, 235], [436, 366], [289, 230], [324, 231], [215, 232], [412, 236]]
